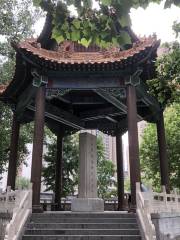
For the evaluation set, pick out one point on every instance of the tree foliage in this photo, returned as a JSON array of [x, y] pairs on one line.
[[149, 149], [176, 28], [166, 86], [16, 21], [105, 168], [5, 135], [22, 183], [104, 24], [70, 164]]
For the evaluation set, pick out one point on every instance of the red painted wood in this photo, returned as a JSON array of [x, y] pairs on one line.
[[133, 142], [12, 168], [120, 172], [164, 168], [38, 146]]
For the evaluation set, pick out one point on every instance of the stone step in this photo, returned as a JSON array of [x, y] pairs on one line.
[[81, 232], [82, 225], [82, 215], [78, 237], [83, 220]]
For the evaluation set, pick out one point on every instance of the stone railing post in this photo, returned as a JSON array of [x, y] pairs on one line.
[[176, 198], [164, 195]]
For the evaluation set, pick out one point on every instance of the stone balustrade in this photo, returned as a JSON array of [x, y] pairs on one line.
[[144, 214], [4, 220], [7, 201], [163, 202], [17, 205], [152, 203]]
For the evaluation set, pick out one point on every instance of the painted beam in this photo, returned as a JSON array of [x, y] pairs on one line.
[[89, 82], [77, 98], [25, 99], [114, 101], [73, 97], [108, 125], [111, 99], [61, 116], [149, 100], [111, 119], [100, 113]]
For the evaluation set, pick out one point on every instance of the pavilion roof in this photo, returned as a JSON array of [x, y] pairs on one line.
[[85, 104], [56, 58]]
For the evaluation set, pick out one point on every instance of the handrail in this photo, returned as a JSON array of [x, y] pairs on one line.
[[7, 201], [22, 210], [152, 202], [144, 215], [163, 202]]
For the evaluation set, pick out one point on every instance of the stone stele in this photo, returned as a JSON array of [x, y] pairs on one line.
[[87, 200]]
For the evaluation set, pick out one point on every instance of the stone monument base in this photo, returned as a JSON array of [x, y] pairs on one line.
[[87, 205]]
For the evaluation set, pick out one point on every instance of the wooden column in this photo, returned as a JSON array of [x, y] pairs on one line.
[[133, 142], [58, 172], [164, 168], [120, 171], [12, 168], [38, 148]]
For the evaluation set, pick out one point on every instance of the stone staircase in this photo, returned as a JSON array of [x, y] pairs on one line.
[[82, 226]]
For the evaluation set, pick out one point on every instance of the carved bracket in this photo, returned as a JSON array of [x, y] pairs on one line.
[[134, 79]]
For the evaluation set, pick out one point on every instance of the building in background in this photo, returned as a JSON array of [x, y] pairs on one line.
[[141, 126]]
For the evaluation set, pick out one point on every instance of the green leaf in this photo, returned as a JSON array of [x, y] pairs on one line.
[[92, 25], [60, 39], [85, 42], [76, 23], [68, 35], [115, 41], [65, 26], [104, 35], [124, 38], [106, 2], [75, 35], [125, 21], [37, 3]]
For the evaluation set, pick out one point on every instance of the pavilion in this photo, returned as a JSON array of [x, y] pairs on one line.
[[69, 88]]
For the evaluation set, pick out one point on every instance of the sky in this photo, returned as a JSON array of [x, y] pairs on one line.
[[154, 19]]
